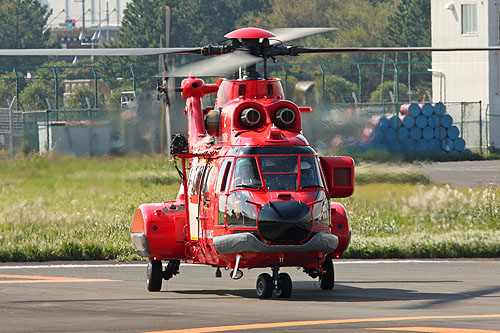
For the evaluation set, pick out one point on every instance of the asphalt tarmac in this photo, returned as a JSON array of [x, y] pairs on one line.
[[369, 296], [463, 174]]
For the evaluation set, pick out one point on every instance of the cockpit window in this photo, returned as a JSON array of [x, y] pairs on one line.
[[246, 174], [280, 172], [309, 175]]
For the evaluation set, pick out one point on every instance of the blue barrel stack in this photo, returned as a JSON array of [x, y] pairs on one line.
[[419, 128]]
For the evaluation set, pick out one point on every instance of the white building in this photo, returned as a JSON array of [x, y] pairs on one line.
[[94, 9], [468, 76]]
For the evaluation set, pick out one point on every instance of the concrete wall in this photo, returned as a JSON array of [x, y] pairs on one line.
[[77, 139]]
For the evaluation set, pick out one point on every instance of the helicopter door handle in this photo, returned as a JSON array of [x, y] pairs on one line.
[[314, 202], [256, 204]]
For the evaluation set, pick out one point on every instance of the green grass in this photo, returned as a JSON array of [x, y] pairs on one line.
[[67, 208]]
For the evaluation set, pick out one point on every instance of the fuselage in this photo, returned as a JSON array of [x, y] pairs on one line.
[[255, 188]]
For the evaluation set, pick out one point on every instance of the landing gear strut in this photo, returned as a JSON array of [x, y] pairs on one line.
[[281, 283], [155, 273]]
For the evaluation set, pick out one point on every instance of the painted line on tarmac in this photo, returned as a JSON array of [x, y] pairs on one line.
[[85, 266], [317, 322], [348, 262], [431, 329], [18, 279]]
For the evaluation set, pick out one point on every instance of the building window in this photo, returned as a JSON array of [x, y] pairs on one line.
[[469, 19]]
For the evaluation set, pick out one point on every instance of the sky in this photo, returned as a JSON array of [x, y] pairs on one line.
[[91, 11]]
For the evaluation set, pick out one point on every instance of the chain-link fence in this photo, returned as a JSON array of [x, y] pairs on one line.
[[349, 100], [363, 127], [11, 130]]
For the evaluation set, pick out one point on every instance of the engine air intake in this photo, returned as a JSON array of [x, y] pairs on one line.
[[250, 117], [284, 117]]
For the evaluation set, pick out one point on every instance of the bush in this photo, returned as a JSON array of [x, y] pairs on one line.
[[78, 98], [386, 96]]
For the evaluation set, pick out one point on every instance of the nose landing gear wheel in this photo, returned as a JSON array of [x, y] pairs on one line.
[[264, 286], [327, 280], [154, 275], [284, 286]]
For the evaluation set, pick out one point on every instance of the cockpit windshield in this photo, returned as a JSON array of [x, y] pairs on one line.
[[246, 174], [309, 175], [279, 172]]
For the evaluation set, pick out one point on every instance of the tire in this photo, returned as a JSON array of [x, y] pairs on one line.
[[264, 286], [154, 275], [327, 280], [284, 286]]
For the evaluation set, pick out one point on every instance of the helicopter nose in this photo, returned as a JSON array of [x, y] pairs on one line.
[[285, 221]]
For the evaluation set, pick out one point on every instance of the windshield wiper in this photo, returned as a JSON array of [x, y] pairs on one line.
[[310, 186], [249, 186]]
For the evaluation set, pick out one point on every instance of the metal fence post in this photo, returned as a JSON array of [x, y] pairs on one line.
[[48, 134], [480, 128], [17, 88], [323, 86], [486, 128], [133, 78], [56, 87], [397, 81], [96, 99], [360, 82], [11, 126]]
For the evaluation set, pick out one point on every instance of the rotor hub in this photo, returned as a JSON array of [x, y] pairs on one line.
[[250, 33]]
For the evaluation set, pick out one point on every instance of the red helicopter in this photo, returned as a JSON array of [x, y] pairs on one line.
[[256, 194]]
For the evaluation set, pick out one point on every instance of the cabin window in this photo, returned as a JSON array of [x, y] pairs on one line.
[[309, 173], [223, 174], [246, 174], [280, 172], [469, 19], [222, 208], [239, 211], [194, 180], [206, 183]]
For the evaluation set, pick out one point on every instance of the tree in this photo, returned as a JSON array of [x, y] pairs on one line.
[[22, 26], [193, 23], [387, 87], [359, 22], [34, 95], [336, 90], [7, 88], [410, 25], [78, 98]]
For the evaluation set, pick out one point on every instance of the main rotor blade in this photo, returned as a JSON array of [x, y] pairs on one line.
[[297, 50], [97, 52], [214, 66], [287, 34]]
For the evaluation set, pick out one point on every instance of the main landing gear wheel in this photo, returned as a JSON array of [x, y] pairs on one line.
[[284, 286], [327, 280], [154, 275], [264, 286]]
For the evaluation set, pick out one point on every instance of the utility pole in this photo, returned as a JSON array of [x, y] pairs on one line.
[[107, 20], [83, 12]]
